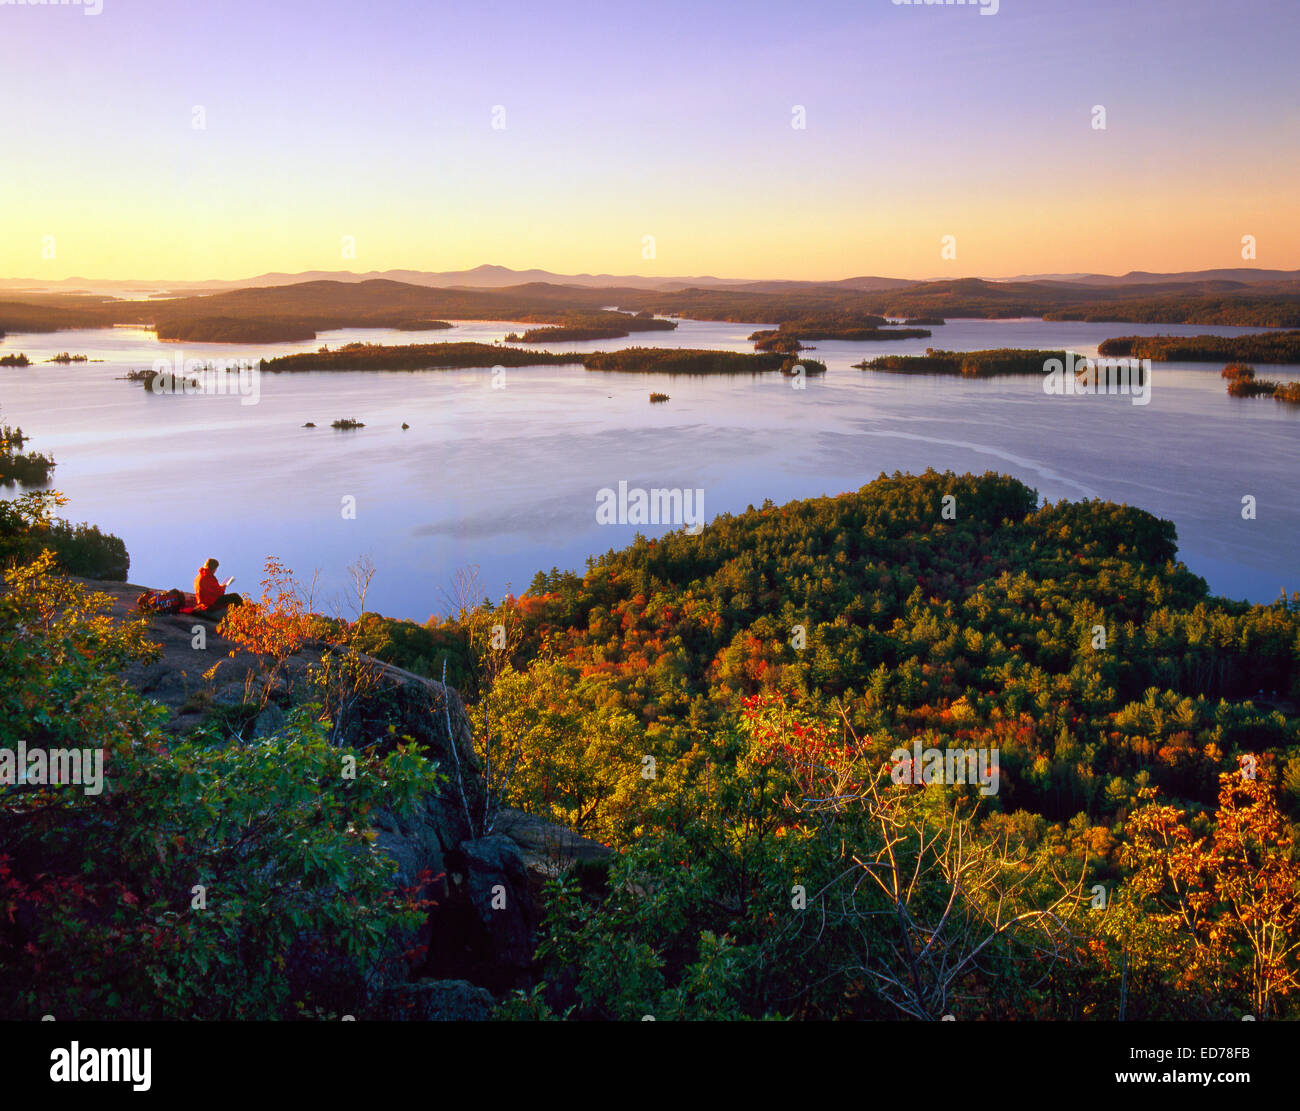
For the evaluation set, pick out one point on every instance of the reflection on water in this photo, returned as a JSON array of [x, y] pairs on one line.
[[506, 478]]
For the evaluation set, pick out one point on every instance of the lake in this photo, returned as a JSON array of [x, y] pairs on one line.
[[506, 479]]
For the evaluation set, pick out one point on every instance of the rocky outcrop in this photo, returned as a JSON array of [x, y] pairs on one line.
[[483, 885]]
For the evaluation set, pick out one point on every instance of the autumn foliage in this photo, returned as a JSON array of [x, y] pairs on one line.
[[277, 625]]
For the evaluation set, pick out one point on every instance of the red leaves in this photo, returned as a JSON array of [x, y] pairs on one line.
[[823, 763]]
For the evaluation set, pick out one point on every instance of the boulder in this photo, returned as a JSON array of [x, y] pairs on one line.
[[549, 849]]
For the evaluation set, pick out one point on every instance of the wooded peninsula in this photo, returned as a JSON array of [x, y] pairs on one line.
[[1259, 347]]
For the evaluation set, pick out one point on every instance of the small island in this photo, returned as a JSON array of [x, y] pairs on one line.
[[15, 360], [810, 367], [64, 357], [1243, 383], [347, 423], [657, 397], [32, 469]]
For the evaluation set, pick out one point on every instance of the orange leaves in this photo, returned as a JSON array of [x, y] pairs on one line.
[[279, 623], [1235, 888], [534, 605]]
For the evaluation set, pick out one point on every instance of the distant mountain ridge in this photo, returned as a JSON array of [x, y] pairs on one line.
[[1246, 275], [490, 276], [480, 277]]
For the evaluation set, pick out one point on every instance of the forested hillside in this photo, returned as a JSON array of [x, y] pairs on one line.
[[726, 709]]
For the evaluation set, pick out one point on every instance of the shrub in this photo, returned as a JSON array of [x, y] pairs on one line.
[[206, 880]]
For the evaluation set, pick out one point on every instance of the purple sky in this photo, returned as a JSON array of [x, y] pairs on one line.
[[622, 121]]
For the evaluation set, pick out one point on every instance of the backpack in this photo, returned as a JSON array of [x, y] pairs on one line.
[[160, 601]]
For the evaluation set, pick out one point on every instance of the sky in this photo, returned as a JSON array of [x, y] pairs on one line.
[[652, 139]]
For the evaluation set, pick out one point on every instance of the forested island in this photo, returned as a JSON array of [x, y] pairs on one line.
[[445, 356], [415, 356], [685, 360], [726, 712], [225, 329], [468, 354], [1259, 347], [842, 326], [586, 326], [15, 360], [967, 364]]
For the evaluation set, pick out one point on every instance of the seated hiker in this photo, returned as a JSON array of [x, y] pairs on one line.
[[209, 593]]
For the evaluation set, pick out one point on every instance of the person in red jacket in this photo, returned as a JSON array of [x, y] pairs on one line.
[[209, 593]]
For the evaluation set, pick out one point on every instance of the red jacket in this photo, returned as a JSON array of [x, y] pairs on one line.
[[207, 588]]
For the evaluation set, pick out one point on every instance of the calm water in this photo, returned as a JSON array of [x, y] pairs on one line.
[[506, 479]]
